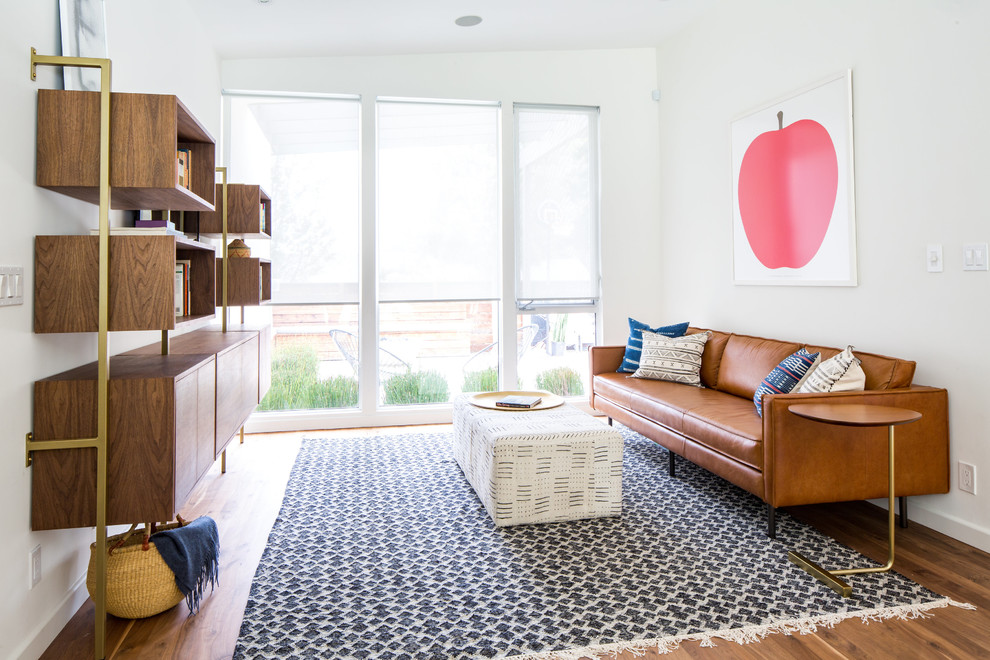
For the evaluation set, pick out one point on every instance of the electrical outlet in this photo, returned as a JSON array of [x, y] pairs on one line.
[[967, 478], [35, 566]]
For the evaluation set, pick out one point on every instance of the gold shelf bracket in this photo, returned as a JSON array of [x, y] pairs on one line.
[[31, 445], [222, 171], [103, 358]]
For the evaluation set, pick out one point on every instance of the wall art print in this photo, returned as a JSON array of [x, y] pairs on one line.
[[793, 219], [83, 28]]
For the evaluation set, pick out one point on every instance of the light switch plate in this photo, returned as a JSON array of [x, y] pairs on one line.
[[975, 256], [934, 258], [11, 285]]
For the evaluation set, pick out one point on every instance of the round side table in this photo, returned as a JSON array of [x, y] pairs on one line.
[[864, 416]]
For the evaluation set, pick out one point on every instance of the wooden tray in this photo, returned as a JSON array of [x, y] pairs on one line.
[[488, 399]]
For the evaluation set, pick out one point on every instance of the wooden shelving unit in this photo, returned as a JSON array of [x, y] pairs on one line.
[[125, 439], [249, 281], [243, 367], [161, 439], [66, 287], [146, 130], [245, 202]]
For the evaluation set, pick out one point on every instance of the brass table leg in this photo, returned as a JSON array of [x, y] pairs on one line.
[[831, 578]]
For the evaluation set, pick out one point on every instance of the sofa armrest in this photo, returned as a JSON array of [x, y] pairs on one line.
[[808, 462], [606, 358]]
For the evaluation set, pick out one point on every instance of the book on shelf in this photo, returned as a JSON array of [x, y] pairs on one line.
[[182, 267], [180, 279], [140, 231], [151, 224], [262, 218], [182, 158], [518, 401]]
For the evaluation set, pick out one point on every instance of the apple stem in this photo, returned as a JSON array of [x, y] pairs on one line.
[[780, 120]]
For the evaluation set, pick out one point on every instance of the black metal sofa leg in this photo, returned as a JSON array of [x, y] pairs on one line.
[[902, 506], [772, 521], [670, 463]]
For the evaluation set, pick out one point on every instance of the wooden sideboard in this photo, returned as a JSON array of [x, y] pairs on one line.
[[171, 416]]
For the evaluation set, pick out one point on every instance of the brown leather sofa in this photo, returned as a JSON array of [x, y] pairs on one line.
[[784, 459]]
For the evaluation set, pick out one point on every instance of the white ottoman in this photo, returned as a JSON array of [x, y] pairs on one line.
[[537, 466]]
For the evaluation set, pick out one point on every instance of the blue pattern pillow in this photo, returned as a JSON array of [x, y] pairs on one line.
[[634, 345], [786, 376]]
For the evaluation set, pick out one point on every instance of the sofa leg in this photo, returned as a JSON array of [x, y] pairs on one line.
[[772, 521], [610, 421], [670, 463], [902, 506]]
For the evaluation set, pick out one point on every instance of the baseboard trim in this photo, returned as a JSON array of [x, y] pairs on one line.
[[960, 530], [45, 634]]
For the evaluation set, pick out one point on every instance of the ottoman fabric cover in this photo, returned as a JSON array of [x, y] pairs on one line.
[[537, 466]]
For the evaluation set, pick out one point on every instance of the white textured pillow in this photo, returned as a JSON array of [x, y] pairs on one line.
[[839, 373], [677, 359]]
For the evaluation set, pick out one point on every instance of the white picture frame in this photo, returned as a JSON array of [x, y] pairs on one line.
[[766, 252], [83, 27]]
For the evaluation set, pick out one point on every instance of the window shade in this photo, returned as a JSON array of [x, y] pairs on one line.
[[438, 201], [305, 154], [556, 219]]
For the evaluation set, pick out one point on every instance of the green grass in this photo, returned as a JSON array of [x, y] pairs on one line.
[[416, 387], [296, 384], [560, 380], [485, 380]]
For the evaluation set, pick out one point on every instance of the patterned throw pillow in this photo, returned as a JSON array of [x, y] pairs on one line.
[[677, 359], [634, 345], [786, 376], [840, 373]]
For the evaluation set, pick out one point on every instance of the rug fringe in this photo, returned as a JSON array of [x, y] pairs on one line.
[[748, 634]]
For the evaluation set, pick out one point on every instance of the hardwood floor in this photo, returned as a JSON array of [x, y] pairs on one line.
[[246, 500]]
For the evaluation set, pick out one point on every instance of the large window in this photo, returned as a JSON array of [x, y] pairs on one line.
[[557, 255], [392, 285], [304, 152], [438, 246]]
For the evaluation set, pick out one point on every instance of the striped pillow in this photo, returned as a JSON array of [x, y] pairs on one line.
[[677, 359], [634, 345], [786, 376]]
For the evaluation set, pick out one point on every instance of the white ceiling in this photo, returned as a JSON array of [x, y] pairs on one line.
[[291, 28]]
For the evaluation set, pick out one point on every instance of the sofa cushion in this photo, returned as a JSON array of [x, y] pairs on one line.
[[634, 344], [712, 357], [677, 359], [661, 401], [786, 376], [726, 424], [746, 360], [882, 372]]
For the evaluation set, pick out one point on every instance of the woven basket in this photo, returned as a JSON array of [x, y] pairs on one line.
[[139, 582]]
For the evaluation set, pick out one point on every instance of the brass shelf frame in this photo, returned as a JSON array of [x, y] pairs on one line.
[[103, 358]]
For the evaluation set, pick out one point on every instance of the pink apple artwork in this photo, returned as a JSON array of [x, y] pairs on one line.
[[792, 167]]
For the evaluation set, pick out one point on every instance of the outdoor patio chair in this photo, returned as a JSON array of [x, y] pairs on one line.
[[524, 340], [389, 364]]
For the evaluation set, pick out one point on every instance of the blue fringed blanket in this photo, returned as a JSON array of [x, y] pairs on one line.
[[193, 553]]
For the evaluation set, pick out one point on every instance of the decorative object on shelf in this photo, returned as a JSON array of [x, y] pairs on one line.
[[238, 248]]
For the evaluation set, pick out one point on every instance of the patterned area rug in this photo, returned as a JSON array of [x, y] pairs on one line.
[[383, 550]]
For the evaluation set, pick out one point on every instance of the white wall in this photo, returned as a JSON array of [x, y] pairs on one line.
[[921, 89], [142, 36]]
